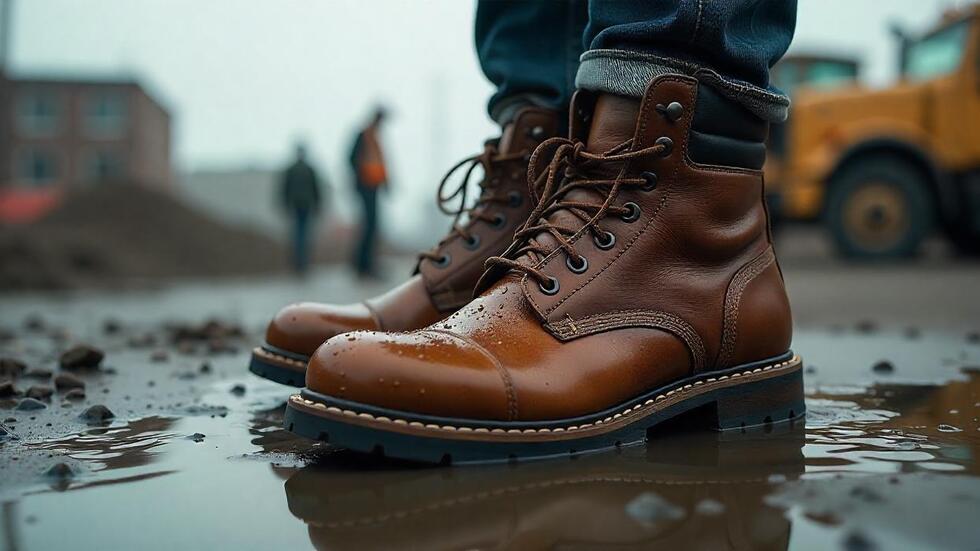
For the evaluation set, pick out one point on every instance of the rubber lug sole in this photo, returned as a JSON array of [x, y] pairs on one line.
[[766, 394], [277, 365]]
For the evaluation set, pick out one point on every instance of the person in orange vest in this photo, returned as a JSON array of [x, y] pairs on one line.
[[369, 176]]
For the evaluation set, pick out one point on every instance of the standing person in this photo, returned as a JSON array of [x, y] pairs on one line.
[[301, 199], [369, 175]]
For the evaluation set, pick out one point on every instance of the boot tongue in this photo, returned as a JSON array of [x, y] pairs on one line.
[[613, 122], [530, 126]]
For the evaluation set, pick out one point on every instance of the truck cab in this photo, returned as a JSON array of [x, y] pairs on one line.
[[883, 168]]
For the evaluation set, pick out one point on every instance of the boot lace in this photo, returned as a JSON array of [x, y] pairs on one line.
[[490, 194], [572, 167]]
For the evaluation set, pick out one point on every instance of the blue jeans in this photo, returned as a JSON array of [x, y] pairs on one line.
[[525, 48], [364, 255], [301, 240]]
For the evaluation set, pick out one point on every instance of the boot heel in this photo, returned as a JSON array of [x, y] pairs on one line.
[[767, 402]]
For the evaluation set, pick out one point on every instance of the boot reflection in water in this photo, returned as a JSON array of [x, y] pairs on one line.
[[642, 285], [694, 491]]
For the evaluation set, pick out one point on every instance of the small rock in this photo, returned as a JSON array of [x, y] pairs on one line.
[[196, 437], [60, 471], [7, 389], [10, 420], [97, 414], [11, 368], [111, 326], [142, 341], [40, 392], [205, 368], [81, 357], [866, 326], [39, 373], [856, 541], [30, 404], [159, 356], [973, 337], [912, 333], [884, 366], [75, 394], [810, 369], [67, 381], [34, 323], [238, 390]]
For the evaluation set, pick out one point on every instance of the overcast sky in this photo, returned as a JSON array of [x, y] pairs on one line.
[[244, 78]]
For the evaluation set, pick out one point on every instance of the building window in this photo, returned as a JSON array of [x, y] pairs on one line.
[[105, 113], [39, 113], [38, 167], [103, 166]]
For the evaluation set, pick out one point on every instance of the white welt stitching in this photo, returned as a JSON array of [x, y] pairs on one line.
[[272, 355], [686, 389]]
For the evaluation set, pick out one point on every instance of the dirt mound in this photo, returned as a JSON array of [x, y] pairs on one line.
[[115, 234]]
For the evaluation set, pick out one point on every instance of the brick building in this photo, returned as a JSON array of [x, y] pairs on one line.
[[60, 133]]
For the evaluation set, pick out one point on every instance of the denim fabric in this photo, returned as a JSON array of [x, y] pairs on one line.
[[530, 51], [729, 44], [526, 48], [364, 255], [301, 239]]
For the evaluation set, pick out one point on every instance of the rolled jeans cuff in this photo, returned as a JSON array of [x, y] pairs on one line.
[[628, 73]]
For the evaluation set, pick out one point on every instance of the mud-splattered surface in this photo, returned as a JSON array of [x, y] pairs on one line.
[[193, 456]]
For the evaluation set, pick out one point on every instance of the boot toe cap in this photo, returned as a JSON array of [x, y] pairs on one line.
[[304, 326], [425, 372]]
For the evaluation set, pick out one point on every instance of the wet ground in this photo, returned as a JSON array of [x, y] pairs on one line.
[[193, 456]]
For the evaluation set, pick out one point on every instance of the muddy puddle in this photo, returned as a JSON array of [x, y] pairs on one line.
[[193, 457]]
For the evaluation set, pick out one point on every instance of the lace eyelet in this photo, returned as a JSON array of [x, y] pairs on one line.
[[499, 221], [537, 132], [651, 179], [667, 143], [442, 261], [472, 243], [581, 267], [515, 199], [634, 212], [607, 241], [552, 287]]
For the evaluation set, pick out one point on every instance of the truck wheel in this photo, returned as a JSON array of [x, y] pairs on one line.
[[879, 209]]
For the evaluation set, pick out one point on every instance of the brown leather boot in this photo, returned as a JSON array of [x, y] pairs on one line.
[[643, 286], [444, 277]]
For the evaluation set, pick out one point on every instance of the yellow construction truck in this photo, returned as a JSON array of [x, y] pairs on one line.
[[884, 168]]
